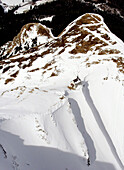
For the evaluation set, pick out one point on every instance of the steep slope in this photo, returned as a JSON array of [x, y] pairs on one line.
[[62, 102]]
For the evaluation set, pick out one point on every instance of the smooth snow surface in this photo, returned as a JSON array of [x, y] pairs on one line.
[[62, 101]]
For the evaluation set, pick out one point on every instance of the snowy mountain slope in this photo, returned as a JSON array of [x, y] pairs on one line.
[[24, 5], [62, 102]]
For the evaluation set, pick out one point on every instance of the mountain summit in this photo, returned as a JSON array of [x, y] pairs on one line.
[[62, 98]]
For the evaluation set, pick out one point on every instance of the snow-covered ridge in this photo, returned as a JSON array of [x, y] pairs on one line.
[[31, 35], [87, 35], [62, 101], [89, 28]]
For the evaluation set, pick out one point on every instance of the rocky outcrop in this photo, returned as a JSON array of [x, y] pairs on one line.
[[86, 36], [31, 35]]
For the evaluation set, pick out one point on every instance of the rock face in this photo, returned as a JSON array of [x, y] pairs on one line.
[[87, 35], [62, 98]]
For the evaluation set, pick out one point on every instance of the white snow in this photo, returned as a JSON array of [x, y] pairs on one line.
[[45, 124], [23, 6], [12, 2], [46, 18]]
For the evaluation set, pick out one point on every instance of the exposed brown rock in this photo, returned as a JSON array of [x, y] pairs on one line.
[[79, 33]]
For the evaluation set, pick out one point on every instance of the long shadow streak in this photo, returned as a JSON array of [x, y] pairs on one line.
[[99, 121], [80, 124]]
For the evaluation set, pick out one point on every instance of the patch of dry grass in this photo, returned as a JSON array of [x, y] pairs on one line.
[[9, 80], [86, 46], [120, 63], [94, 27], [105, 36], [15, 74], [48, 64], [7, 68], [53, 74], [109, 51], [33, 70], [88, 19]]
